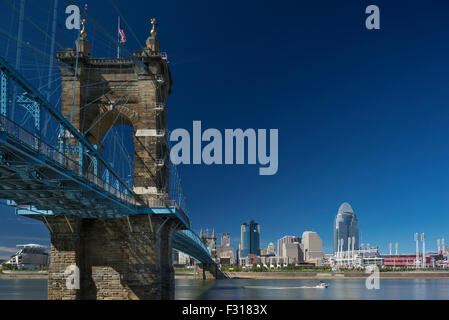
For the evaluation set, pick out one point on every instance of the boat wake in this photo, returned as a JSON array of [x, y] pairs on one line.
[[283, 288]]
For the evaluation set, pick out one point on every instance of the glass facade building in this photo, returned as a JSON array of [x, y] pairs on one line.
[[250, 239], [346, 227]]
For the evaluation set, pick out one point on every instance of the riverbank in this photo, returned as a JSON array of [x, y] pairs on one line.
[[23, 276], [44, 276], [337, 275], [286, 275]]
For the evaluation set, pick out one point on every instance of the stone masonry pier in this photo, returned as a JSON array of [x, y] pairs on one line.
[[117, 259]]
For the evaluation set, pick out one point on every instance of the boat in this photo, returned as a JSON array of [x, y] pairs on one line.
[[322, 285]]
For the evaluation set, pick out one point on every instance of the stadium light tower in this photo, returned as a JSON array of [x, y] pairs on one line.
[[353, 242], [423, 240], [391, 246], [444, 248], [417, 250], [397, 246]]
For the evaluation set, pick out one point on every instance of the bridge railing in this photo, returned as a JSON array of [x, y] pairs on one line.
[[167, 203], [37, 97], [27, 138]]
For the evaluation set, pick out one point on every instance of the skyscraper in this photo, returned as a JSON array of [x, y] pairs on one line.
[[250, 239], [285, 240], [312, 245], [346, 229]]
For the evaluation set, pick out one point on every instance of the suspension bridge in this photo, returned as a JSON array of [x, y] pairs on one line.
[[84, 148]]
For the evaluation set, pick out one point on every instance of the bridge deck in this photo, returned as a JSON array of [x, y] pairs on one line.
[[40, 179]]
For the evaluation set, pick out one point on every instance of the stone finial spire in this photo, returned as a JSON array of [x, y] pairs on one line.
[[152, 42], [83, 32], [82, 45], [153, 29]]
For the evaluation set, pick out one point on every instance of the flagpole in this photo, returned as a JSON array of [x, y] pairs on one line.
[[118, 38]]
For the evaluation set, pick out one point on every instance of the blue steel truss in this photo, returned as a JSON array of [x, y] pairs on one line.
[[34, 94], [39, 179], [33, 108], [4, 93]]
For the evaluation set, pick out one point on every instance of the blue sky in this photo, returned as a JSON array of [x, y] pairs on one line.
[[362, 115]]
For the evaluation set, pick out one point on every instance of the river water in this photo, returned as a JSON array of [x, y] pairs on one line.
[[251, 289]]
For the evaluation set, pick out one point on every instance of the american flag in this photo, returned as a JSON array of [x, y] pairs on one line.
[[122, 35]]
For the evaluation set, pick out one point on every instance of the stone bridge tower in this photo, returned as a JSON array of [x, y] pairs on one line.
[[117, 258], [100, 93]]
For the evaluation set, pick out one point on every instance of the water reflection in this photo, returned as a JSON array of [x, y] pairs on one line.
[[286, 289], [267, 289]]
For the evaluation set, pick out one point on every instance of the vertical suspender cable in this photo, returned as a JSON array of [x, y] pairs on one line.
[[52, 46], [19, 50]]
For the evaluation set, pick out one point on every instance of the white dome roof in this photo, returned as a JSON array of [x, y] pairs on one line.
[[345, 208]]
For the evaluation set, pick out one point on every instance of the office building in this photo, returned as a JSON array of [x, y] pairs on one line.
[[250, 239], [312, 246], [293, 252], [346, 229], [286, 239]]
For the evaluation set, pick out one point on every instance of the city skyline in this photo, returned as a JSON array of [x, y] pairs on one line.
[[430, 247], [233, 240]]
